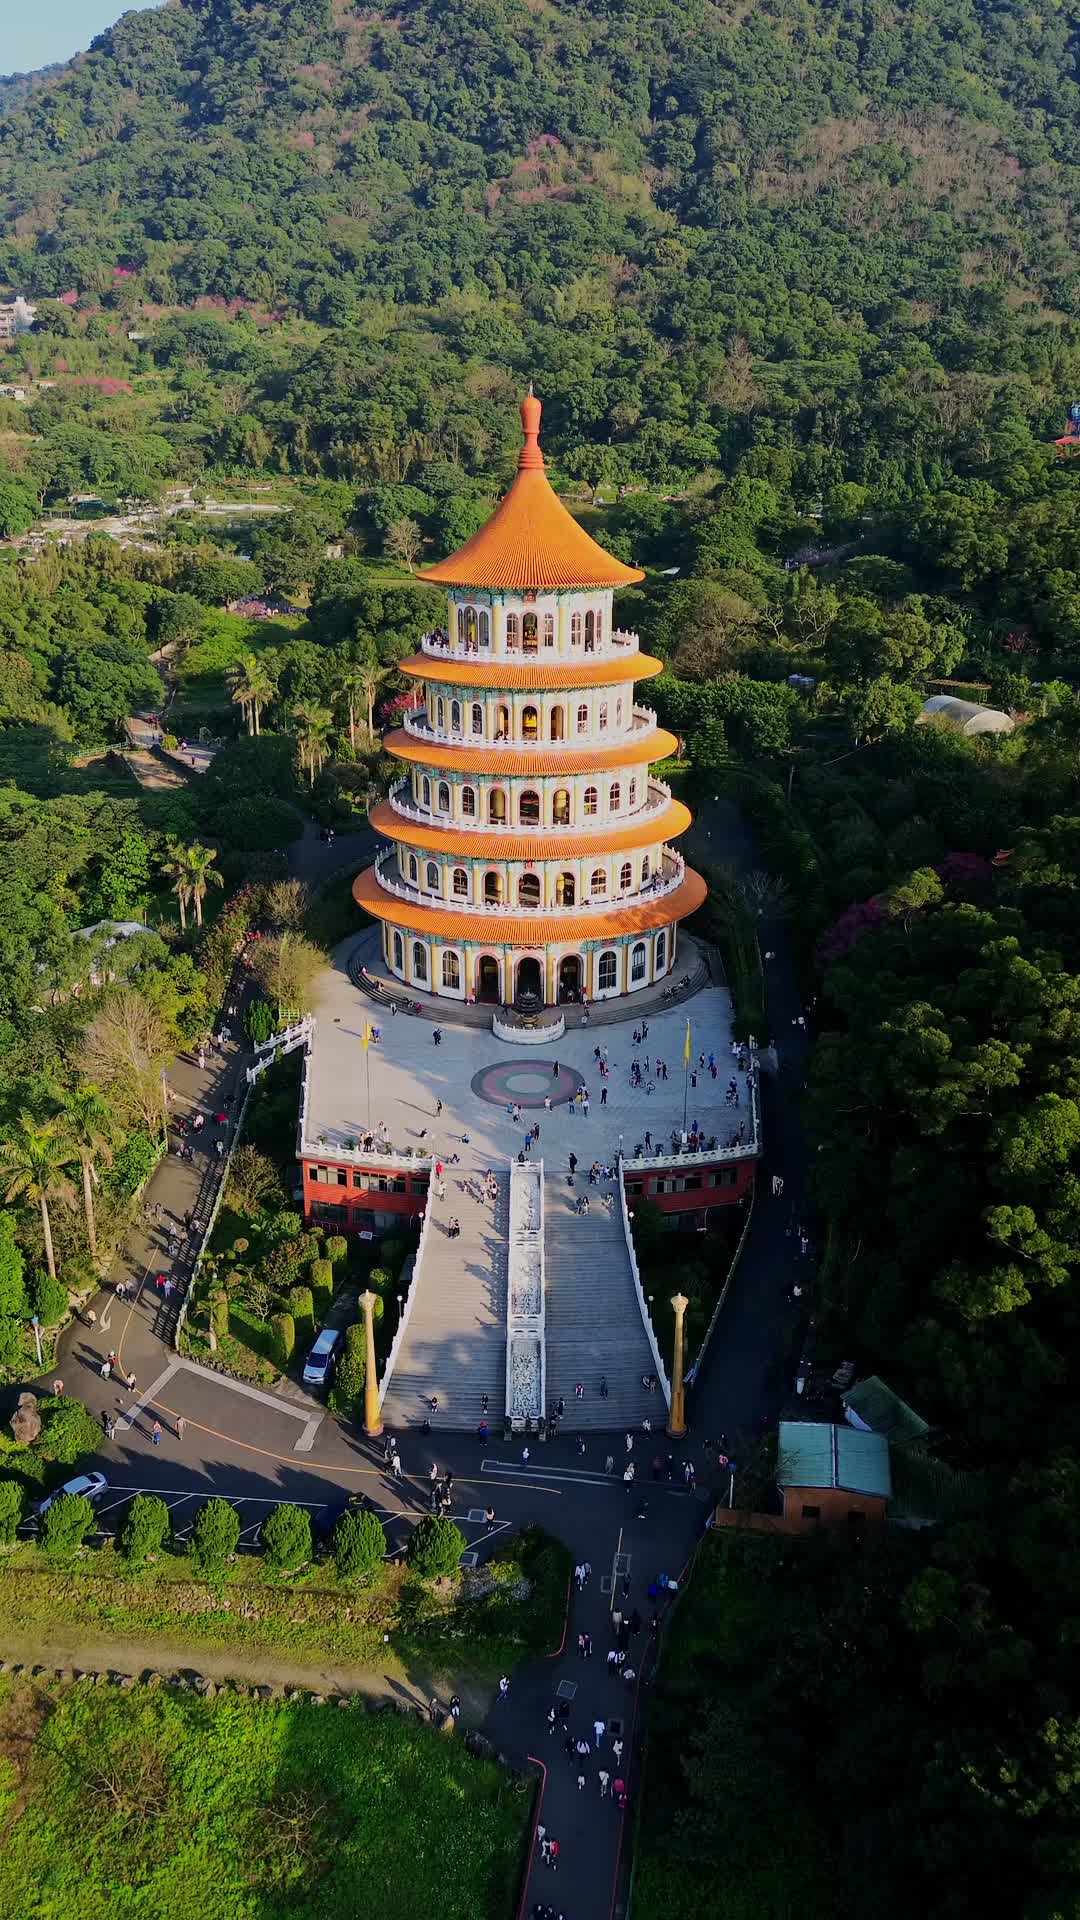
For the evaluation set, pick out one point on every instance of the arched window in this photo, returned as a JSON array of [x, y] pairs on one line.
[[426, 790], [603, 716], [575, 629], [493, 889], [599, 629], [419, 961], [590, 632], [413, 868], [444, 797], [618, 713], [451, 971], [529, 809], [607, 973], [502, 723], [468, 802], [560, 808], [461, 626], [583, 718], [512, 631], [440, 711], [530, 639], [626, 876], [590, 800], [477, 717], [661, 951], [530, 723], [497, 808], [399, 953], [614, 798], [633, 794], [637, 961], [484, 625], [470, 629], [557, 722], [455, 716], [432, 875], [565, 890], [597, 883], [644, 869], [461, 884], [529, 890], [549, 629]]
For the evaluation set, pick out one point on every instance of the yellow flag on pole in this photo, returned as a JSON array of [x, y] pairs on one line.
[[366, 1040], [686, 1050]]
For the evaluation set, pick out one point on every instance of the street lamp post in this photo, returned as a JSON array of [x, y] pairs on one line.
[[676, 1426], [372, 1412]]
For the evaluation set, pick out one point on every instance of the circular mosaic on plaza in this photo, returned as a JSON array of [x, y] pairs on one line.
[[517, 1084]]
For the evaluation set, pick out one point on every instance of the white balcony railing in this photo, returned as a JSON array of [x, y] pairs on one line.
[[664, 881], [657, 801], [443, 647], [419, 725]]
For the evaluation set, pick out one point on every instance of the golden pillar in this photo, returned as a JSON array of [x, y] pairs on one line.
[[372, 1412], [676, 1425]]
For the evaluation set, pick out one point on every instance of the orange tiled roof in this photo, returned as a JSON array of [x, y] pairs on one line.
[[534, 929], [510, 844], [533, 761], [531, 542], [536, 673]]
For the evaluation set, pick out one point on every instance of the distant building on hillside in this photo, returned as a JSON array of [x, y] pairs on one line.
[[967, 716], [16, 316]]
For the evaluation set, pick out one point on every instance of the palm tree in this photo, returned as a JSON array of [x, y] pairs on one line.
[[88, 1127], [313, 726], [191, 871], [251, 685], [360, 680], [33, 1165]]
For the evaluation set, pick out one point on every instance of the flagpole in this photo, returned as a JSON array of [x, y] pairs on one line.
[[686, 1076], [367, 1068]]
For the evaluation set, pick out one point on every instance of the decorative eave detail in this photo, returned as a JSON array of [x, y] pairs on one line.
[[506, 843], [531, 544], [533, 675], [507, 928], [536, 763]]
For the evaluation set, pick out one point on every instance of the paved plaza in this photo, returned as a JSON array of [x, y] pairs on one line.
[[477, 1078]]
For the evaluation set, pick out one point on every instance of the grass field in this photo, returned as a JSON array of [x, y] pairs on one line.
[[309, 1617], [148, 1802]]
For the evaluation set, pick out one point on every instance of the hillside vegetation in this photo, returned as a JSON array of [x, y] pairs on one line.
[[852, 228]]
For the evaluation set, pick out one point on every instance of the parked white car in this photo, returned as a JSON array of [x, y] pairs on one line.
[[319, 1364], [93, 1485]]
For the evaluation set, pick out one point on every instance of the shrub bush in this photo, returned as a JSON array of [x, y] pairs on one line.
[[286, 1538], [219, 1312], [67, 1523], [391, 1256], [214, 1535], [380, 1281], [337, 1248], [284, 1332], [302, 1307], [322, 1283], [50, 1299], [67, 1430], [435, 1547], [347, 1390], [359, 1545], [146, 1528], [12, 1504]]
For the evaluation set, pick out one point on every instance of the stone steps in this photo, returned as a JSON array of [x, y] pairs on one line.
[[593, 1322], [455, 1342]]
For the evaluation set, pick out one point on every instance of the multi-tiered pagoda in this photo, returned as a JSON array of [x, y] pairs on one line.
[[530, 860]]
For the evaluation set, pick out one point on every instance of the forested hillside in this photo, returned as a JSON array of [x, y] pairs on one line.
[[852, 227]]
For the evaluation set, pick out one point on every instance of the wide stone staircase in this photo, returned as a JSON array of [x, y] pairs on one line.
[[455, 1342], [593, 1321]]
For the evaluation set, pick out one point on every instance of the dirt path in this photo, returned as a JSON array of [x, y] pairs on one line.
[[138, 1657]]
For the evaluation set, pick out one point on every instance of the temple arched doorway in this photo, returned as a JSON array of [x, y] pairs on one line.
[[530, 985], [487, 979], [570, 977]]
